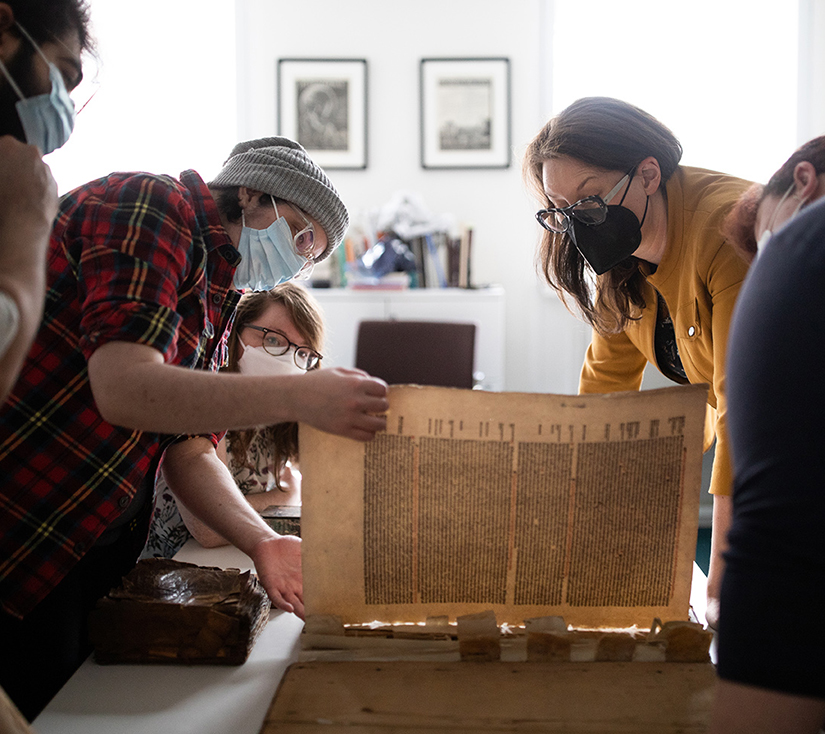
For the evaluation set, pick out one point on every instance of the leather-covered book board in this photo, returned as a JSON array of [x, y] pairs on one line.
[[166, 611]]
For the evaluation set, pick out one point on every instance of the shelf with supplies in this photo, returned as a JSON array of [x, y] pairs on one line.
[[345, 308], [384, 260]]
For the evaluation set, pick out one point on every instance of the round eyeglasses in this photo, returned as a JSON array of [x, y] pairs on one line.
[[276, 343], [304, 243], [591, 210]]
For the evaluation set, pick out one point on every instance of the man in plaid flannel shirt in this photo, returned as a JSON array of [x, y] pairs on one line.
[[142, 287]]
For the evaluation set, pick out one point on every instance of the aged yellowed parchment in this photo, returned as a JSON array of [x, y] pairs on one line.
[[526, 504]]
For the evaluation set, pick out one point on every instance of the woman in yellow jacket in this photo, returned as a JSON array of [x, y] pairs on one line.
[[632, 242]]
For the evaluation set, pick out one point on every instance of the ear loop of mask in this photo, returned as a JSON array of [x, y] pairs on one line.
[[13, 84], [779, 206], [627, 190], [302, 274], [799, 206], [768, 233], [36, 47], [277, 216]]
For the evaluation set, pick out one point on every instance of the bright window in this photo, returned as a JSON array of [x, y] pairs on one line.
[[166, 96], [721, 74]]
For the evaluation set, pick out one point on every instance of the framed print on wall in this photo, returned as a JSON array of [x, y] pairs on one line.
[[465, 113], [322, 103]]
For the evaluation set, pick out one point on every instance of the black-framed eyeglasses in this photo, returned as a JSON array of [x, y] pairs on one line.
[[591, 210], [276, 343]]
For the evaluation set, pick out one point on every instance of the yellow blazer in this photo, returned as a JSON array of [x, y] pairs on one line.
[[699, 278]]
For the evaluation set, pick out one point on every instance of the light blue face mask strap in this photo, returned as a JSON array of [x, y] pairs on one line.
[[32, 42], [309, 224], [277, 216], [53, 70]]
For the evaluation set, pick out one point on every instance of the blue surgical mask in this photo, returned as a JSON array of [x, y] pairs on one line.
[[47, 119], [268, 257]]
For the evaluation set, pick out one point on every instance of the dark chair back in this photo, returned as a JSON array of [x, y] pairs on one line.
[[417, 352]]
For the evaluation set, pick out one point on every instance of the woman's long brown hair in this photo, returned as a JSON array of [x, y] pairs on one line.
[[611, 135], [305, 314]]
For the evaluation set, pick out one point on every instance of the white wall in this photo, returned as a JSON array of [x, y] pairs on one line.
[[716, 71], [720, 73], [165, 91], [393, 37], [168, 101]]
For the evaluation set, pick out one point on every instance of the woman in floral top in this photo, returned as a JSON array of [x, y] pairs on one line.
[[276, 332]]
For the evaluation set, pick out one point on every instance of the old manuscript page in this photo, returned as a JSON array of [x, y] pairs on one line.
[[526, 504]]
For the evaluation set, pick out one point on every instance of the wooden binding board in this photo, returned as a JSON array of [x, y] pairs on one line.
[[501, 509], [413, 698]]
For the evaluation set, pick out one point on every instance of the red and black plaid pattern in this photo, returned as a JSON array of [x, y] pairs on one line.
[[136, 258]]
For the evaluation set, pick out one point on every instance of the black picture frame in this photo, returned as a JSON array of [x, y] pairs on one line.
[[322, 104]]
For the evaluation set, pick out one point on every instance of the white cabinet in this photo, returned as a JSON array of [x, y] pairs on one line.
[[345, 308]]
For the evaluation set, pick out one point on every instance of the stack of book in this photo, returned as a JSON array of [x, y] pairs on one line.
[[441, 261]]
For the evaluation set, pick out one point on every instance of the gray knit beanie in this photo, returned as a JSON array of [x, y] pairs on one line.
[[281, 167]]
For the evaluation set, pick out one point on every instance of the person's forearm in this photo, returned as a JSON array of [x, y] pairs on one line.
[[205, 487], [28, 205], [259, 501], [207, 537], [207, 493], [172, 399], [722, 509], [26, 289], [135, 388]]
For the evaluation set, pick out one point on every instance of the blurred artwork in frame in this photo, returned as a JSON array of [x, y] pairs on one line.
[[465, 113], [322, 103]]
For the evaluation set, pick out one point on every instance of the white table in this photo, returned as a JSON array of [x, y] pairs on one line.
[[147, 699]]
